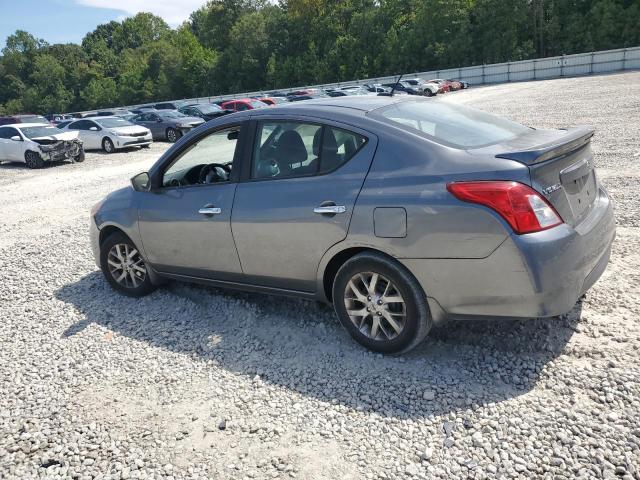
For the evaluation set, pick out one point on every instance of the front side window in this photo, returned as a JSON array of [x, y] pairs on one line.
[[451, 124], [7, 132], [207, 161], [81, 125], [296, 149]]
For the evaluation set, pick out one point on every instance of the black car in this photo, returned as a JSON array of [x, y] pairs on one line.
[[168, 105], [403, 87], [206, 111]]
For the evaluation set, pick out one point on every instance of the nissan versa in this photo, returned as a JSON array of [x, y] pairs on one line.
[[402, 212]]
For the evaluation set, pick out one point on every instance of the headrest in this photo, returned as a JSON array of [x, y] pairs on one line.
[[330, 144], [290, 148]]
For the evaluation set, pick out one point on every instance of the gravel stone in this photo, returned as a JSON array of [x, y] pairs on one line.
[[94, 385]]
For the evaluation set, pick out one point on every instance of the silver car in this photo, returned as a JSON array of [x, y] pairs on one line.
[[402, 212]]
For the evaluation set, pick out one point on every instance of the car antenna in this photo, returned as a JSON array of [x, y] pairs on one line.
[[393, 89]]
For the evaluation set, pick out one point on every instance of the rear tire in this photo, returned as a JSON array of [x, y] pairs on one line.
[[107, 145], [172, 135], [389, 315], [33, 159], [123, 266]]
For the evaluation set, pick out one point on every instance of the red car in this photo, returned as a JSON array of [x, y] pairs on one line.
[[271, 101], [243, 104], [445, 86]]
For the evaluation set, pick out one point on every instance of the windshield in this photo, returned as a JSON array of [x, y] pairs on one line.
[[451, 124], [113, 122], [43, 131], [257, 104], [211, 108], [171, 114]]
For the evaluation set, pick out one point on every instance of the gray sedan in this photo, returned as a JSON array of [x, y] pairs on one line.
[[167, 125], [401, 212]]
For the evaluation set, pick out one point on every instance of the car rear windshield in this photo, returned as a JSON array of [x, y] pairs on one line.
[[36, 132], [114, 122], [453, 125], [171, 114], [211, 108]]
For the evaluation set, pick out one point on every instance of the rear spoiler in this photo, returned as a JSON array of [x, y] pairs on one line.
[[574, 139]]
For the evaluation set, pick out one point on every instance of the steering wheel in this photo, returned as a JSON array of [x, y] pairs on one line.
[[214, 173]]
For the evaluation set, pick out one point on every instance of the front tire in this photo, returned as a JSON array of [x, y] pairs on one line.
[[107, 145], [381, 304], [33, 159], [172, 135], [80, 157], [123, 266], [428, 93]]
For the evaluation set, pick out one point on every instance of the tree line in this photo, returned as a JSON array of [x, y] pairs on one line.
[[232, 46]]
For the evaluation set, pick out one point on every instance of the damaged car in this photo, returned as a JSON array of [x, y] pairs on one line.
[[36, 144]]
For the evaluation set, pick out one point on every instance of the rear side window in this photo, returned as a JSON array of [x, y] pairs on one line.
[[296, 149], [453, 125]]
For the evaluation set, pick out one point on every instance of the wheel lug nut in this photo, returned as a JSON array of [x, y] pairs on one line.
[[369, 298], [379, 314], [379, 302]]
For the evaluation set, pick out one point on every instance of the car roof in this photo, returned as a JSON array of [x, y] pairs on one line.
[[24, 125]]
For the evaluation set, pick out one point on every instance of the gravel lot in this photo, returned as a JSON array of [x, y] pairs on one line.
[[194, 382]]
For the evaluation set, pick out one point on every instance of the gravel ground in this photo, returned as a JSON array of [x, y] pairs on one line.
[[194, 382]]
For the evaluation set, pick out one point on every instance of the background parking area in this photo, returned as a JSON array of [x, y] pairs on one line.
[[194, 382]]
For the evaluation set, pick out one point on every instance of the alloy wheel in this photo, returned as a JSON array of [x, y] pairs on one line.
[[126, 265], [172, 135], [108, 145], [375, 306]]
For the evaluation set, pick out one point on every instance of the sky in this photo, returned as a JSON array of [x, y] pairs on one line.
[[63, 21]]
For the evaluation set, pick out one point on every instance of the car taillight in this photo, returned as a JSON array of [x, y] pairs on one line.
[[522, 207]]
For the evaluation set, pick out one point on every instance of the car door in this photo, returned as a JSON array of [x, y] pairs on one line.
[[297, 199], [11, 150], [94, 134], [156, 125], [185, 225], [87, 136]]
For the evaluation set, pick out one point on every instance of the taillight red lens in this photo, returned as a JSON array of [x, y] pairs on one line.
[[521, 206]]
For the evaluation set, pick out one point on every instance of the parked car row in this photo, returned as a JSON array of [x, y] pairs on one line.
[[113, 129]]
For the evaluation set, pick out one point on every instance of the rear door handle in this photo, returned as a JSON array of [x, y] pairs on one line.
[[330, 209], [210, 210]]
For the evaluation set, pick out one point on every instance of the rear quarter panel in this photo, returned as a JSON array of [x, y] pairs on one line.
[[411, 172]]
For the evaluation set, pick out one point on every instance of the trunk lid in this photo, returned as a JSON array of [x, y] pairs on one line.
[[561, 166]]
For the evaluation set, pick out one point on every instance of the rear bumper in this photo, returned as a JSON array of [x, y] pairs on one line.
[[535, 275]]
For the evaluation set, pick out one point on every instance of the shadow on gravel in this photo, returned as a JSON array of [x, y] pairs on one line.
[[299, 345]]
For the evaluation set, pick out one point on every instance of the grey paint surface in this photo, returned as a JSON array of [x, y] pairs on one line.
[[465, 256]]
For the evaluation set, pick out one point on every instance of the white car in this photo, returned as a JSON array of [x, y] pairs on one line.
[[38, 143], [427, 88], [110, 133]]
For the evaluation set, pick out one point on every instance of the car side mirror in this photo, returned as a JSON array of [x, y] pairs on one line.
[[93, 129], [141, 182], [233, 135], [16, 138], [159, 120]]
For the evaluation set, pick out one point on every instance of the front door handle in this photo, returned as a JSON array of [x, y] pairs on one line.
[[210, 210], [330, 209]]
